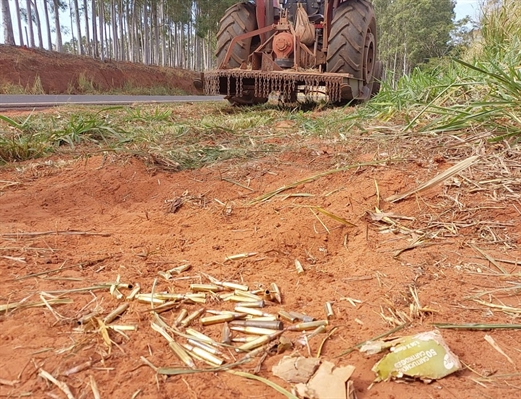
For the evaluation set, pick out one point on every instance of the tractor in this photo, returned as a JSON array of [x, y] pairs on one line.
[[319, 49]]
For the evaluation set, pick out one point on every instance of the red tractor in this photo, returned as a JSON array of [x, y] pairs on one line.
[[320, 48]]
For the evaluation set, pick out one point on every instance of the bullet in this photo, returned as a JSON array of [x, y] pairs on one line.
[[287, 316], [319, 330], [205, 347], [256, 304], [308, 325], [180, 269], [205, 288], [239, 298], [226, 334], [234, 286], [301, 316], [116, 313], [182, 315], [244, 339], [203, 354], [258, 342], [253, 330], [272, 325], [199, 336], [181, 354], [329, 310], [275, 294], [247, 294], [192, 316], [220, 318], [251, 311]]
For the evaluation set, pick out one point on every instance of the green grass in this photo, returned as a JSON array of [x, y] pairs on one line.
[[172, 136], [85, 85], [480, 92]]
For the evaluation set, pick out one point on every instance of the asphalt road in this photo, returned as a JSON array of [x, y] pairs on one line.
[[38, 101]]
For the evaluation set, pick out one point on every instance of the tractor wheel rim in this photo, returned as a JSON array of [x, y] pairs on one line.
[[369, 57]]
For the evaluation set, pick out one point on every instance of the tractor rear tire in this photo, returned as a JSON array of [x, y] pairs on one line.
[[378, 75], [352, 41], [237, 20]]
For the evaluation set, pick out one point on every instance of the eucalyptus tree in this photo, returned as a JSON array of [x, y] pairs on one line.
[[19, 22], [30, 23], [113, 19], [58, 6], [122, 41], [95, 51], [78, 26], [411, 32], [47, 23], [87, 34], [101, 19], [7, 23], [38, 24]]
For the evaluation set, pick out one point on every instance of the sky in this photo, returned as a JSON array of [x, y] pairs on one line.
[[463, 8], [467, 7]]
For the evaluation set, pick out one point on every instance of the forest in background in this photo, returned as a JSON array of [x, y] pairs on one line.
[[181, 33]]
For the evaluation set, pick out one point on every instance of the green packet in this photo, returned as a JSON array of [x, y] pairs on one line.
[[425, 356]]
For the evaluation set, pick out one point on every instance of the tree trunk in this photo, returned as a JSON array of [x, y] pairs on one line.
[[19, 21], [95, 52], [163, 34], [38, 25], [8, 23], [102, 38], [78, 27], [30, 23], [122, 54], [108, 45], [87, 33], [46, 9], [57, 26], [114, 30], [146, 46], [156, 34]]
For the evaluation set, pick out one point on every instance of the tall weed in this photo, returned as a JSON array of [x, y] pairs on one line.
[[482, 89]]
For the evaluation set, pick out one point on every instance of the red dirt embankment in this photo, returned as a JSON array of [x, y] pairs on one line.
[[61, 73]]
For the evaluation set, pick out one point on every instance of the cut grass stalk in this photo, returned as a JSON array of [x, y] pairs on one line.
[[268, 196], [320, 221], [269, 383], [460, 166], [25, 305], [57, 232], [477, 326], [94, 387], [489, 258], [105, 286], [61, 385], [494, 344]]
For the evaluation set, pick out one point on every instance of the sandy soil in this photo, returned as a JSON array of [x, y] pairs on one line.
[[131, 232]]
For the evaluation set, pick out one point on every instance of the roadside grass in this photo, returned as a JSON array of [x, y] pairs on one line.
[[84, 85], [479, 93], [171, 136]]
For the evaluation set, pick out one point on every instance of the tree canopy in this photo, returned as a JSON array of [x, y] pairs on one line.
[[411, 32], [182, 32]]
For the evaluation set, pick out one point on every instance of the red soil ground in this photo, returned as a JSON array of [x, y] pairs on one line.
[[125, 208], [131, 232]]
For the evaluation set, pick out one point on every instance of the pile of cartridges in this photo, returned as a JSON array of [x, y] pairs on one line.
[[239, 321]]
